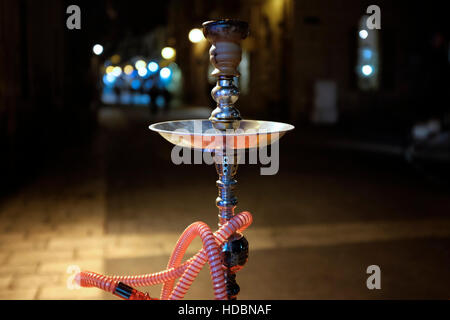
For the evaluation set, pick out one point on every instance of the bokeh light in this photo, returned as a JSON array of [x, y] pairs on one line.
[[97, 49], [135, 84], [142, 72], [363, 34], [196, 35], [117, 71], [109, 79], [367, 53], [128, 69], [140, 64], [168, 53], [165, 73], [367, 70], [109, 69], [153, 66], [115, 59]]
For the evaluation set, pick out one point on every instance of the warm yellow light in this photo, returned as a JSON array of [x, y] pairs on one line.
[[109, 69], [115, 59], [196, 35], [140, 64], [168, 53], [128, 69]]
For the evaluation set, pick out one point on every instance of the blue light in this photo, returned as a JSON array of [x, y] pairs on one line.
[[160, 101], [165, 73], [148, 84], [142, 99], [109, 79], [136, 84], [125, 98], [153, 66], [367, 53]]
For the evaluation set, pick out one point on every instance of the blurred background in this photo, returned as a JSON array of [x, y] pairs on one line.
[[363, 180]]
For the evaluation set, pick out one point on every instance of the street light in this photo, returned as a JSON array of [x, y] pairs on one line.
[[117, 71], [196, 35], [165, 73], [109, 69], [363, 34], [142, 72], [97, 49], [140, 64], [153, 66], [168, 53], [367, 70], [128, 69]]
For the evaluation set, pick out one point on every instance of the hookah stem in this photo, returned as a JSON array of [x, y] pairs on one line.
[[226, 166]]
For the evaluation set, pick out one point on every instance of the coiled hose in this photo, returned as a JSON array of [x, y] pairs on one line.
[[187, 271]]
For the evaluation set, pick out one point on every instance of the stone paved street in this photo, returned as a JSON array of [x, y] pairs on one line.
[[118, 206]]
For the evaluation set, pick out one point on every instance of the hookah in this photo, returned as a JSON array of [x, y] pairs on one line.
[[223, 136]]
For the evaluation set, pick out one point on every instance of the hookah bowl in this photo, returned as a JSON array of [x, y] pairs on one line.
[[225, 134]]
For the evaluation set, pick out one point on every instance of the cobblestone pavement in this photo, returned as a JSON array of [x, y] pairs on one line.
[[119, 205]]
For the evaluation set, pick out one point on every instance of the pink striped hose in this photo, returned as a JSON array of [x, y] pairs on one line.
[[188, 271]]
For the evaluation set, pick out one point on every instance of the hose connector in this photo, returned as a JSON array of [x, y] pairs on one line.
[[128, 293]]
